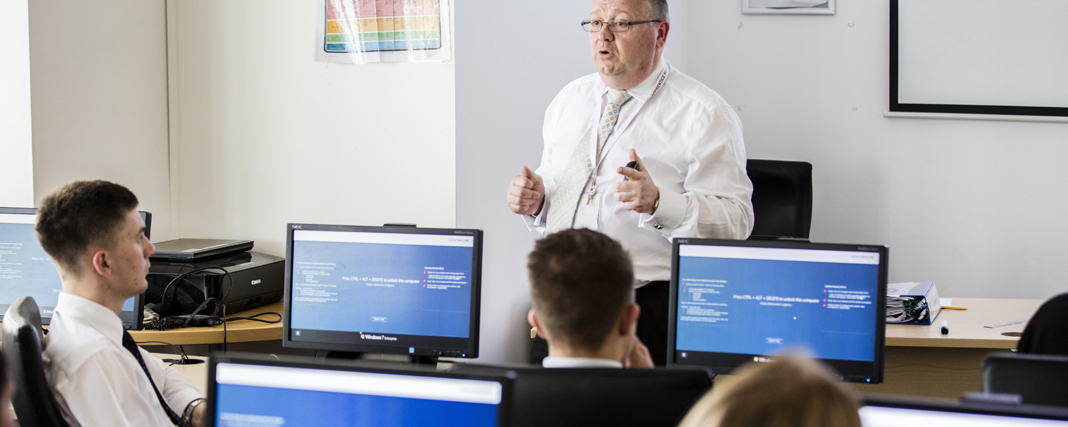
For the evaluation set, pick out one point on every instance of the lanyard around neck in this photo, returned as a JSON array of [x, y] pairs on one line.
[[598, 155]]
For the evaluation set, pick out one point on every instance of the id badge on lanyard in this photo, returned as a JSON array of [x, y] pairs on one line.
[[597, 156]]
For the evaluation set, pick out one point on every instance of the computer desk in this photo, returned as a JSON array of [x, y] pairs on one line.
[[236, 330], [197, 373], [920, 361]]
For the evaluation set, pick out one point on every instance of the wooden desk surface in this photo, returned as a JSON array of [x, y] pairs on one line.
[[966, 328], [236, 331]]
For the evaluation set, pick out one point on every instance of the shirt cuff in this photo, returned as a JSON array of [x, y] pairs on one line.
[[668, 215], [537, 222]]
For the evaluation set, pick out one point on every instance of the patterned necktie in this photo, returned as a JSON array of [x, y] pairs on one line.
[[580, 168], [131, 345]]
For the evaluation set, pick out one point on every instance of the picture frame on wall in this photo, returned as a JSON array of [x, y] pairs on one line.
[[788, 7]]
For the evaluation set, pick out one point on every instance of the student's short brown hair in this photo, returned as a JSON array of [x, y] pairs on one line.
[[789, 392], [580, 282], [81, 215]]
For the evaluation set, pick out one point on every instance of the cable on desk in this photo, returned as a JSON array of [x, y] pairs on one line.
[[183, 358], [255, 317], [195, 318], [162, 306]]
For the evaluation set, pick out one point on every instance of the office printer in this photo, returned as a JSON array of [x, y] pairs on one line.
[[240, 280]]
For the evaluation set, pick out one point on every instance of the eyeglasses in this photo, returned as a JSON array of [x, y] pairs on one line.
[[595, 26]]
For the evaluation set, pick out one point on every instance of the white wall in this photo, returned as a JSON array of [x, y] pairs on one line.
[[505, 77], [99, 85], [262, 135], [16, 163], [977, 206]]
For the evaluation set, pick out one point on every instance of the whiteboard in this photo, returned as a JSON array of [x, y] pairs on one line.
[[979, 56]]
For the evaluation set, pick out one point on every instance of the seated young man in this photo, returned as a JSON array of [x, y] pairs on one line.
[[581, 287], [7, 419], [96, 238]]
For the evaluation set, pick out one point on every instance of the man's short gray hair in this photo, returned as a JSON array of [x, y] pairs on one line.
[[659, 9]]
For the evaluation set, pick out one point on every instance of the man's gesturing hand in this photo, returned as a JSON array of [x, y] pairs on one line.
[[639, 194], [526, 193]]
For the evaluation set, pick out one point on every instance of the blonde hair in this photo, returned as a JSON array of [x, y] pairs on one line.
[[789, 392]]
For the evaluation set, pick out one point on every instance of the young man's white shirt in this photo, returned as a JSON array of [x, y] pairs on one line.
[[97, 380]]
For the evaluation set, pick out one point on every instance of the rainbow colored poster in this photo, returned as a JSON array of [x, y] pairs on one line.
[[364, 31]]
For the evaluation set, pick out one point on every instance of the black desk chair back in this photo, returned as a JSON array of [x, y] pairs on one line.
[[23, 342], [1038, 379], [605, 397], [782, 198], [1047, 331]]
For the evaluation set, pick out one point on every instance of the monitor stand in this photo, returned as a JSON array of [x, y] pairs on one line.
[[353, 355]]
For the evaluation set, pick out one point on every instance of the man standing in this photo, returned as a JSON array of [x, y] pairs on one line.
[[685, 140], [96, 238], [581, 286]]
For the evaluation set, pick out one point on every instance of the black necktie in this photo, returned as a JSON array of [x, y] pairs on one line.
[[131, 345]]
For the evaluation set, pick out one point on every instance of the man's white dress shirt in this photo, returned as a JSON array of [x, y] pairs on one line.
[[579, 362], [690, 141], [97, 379]]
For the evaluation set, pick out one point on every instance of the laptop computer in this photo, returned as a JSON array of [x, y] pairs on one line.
[[188, 250]]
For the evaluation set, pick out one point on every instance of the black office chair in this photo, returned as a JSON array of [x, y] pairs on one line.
[[608, 397], [23, 342], [1047, 331], [1039, 379], [782, 198]]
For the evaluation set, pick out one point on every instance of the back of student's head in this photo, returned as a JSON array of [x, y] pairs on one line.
[[789, 392], [81, 215], [581, 281]]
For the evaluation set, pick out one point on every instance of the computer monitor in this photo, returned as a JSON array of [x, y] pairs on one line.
[[264, 392], [393, 290], [26, 270], [899, 412], [733, 302]]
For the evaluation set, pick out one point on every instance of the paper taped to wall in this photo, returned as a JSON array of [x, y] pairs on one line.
[[368, 31]]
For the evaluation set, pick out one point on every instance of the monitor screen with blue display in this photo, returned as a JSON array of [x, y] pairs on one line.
[[900, 412], [383, 289], [250, 392], [26, 270], [734, 302]]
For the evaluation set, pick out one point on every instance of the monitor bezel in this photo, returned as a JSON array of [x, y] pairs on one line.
[[135, 317], [874, 377], [503, 408], [476, 293], [968, 407]]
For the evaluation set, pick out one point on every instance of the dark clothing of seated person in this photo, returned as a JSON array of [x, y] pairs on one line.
[[1047, 332]]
